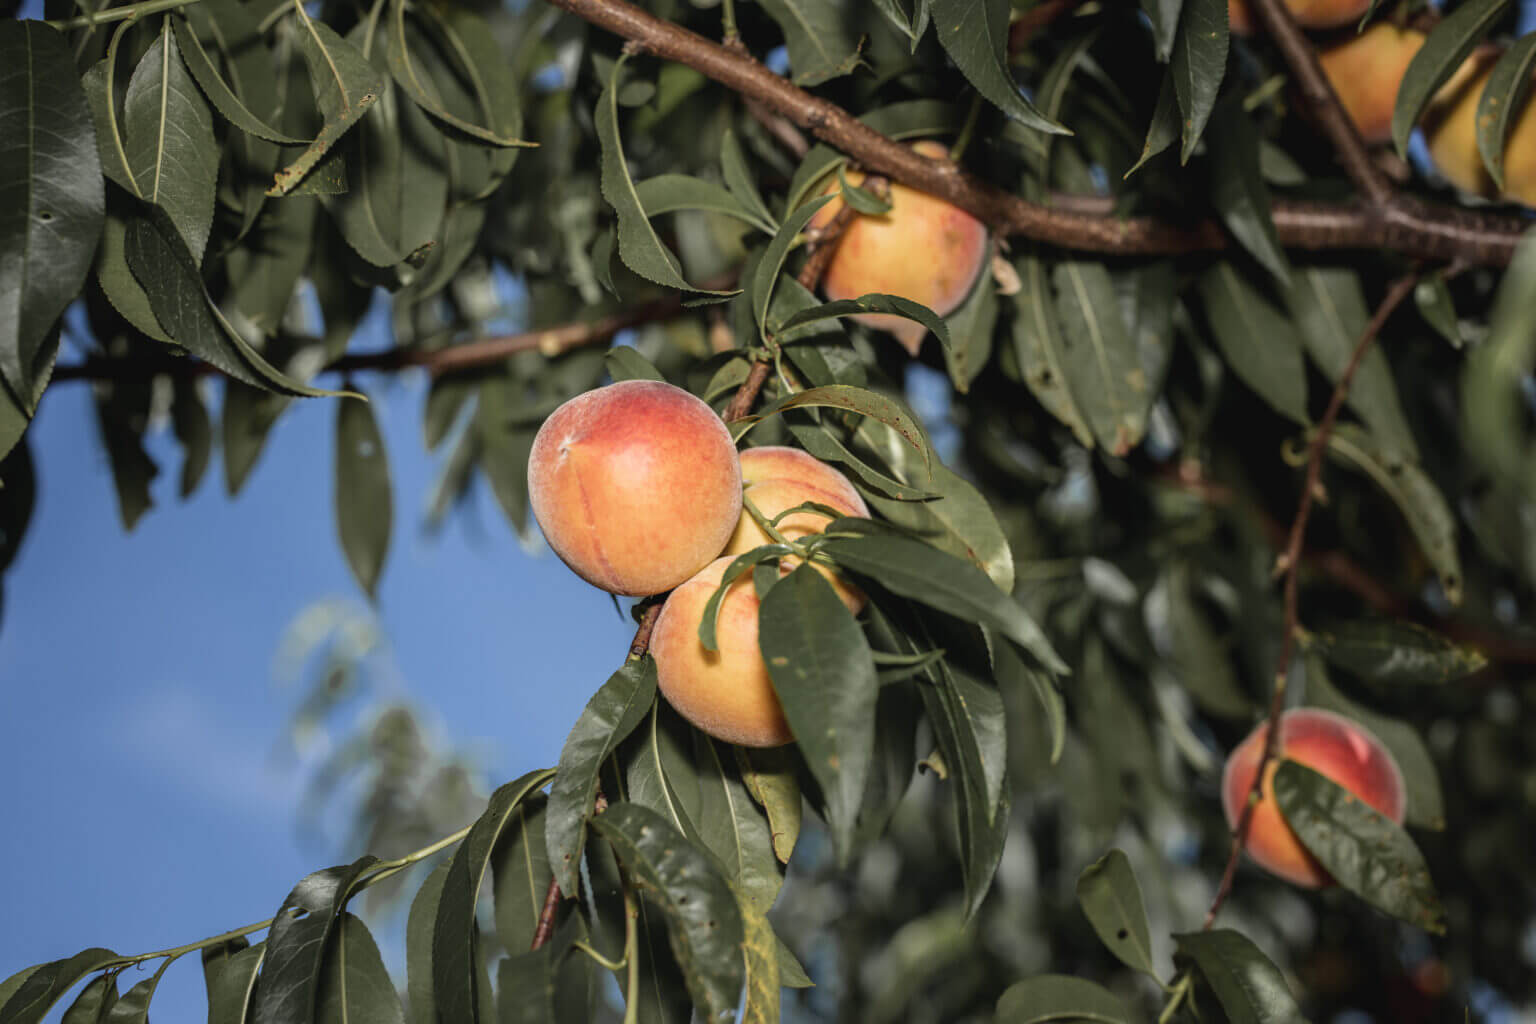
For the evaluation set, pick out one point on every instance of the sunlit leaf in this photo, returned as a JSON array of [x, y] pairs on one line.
[[1248, 985]]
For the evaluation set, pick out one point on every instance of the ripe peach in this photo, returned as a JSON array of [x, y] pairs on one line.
[[1331, 745], [728, 692], [1451, 128], [636, 485], [1366, 70], [1308, 14], [779, 478], [923, 249]]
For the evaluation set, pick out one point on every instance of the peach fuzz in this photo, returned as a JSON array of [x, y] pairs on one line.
[[779, 478], [1331, 745], [636, 486], [1366, 71], [1308, 14], [728, 692], [923, 249]]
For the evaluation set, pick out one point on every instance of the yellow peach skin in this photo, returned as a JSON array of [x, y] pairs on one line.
[[922, 249], [1331, 745], [1451, 128], [728, 692], [779, 478], [1308, 14], [1366, 71], [637, 486]]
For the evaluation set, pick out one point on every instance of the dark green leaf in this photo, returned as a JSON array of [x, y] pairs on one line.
[[354, 985], [668, 193], [734, 829], [521, 875], [296, 946], [1059, 997], [1164, 16], [624, 362], [959, 521], [219, 93], [1249, 987], [1433, 297], [851, 399], [1041, 351], [419, 929], [820, 442], [971, 328], [704, 921], [825, 678], [345, 86], [1237, 188], [246, 419], [1493, 404], [94, 1002], [265, 268], [1259, 342], [1447, 46], [1398, 652], [820, 45], [1163, 129], [766, 276], [51, 199], [194, 430], [1186, 637], [499, 91], [860, 199], [661, 773], [504, 448], [35, 992], [738, 178], [1365, 851], [1099, 354], [364, 502], [116, 278], [872, 303], [1508, 84], [1111, 900], [975, 35], [769, 775], [133, 1006], [231, 985], [1199, 64], [611, 715], [534, 989]]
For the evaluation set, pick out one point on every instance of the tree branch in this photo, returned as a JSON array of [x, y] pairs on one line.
[[1287, 565], [1405, 225]]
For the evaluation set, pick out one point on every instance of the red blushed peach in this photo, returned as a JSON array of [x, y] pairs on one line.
[[1308, 14], [1366, 70], [728, 692], [923, 249], [1331, 745], [779, 478], [637, 486]]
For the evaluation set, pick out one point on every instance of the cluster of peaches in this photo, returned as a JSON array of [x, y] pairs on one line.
[[1367, 69]]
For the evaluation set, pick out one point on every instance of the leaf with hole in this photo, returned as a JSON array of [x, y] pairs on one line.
[[1110, 896]]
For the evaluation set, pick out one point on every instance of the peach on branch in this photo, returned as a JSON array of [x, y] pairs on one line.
[[1450, 125], [637, 486], [1339, 748], [726, 692], [1366, 71], [778, 479], [1308, 14], [923, 249]]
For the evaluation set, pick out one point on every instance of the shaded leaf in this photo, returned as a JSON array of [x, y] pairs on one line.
[[521, 874], [1258, 341], [1447, 45], [364, 501], [232, 984], [1059, 997], [766, 275], [355, 987], [975, 35], [224, 99], [850, 399], [345, 86], [1249, 987], [820, 45], [1397, 652], [1041, 350], [33, 992], [1163, 129], [1433, 297], [1198, 66], [1508, 84], [668, 193], [733, 827], [94, 1002], [194, 430], [1237, 188], [419, 928], [625, 363], [498, 89], [769, 775], [296, 947], [1099, 354], [1111, 900], [960, 520]]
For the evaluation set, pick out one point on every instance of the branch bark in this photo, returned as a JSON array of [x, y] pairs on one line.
[[1405, 225]]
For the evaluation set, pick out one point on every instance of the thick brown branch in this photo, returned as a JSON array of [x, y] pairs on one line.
[[1414, 229], [1289, 562], [1321, 100]]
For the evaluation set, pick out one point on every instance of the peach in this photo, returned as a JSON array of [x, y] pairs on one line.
[[636, 486], [1331, 745], [1366, 70], [1451, 128], [1308, 14], [923, 249], [728, 692], [779, 478]]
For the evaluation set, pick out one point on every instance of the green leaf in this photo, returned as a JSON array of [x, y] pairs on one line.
[[231, 985], [113, 273], [458, 971], [345, 86], [120, 412], [1447, 46], [1365, 851], [766, 276], [1433, 297], [1163, 129], [739, 179], [769, 775], [1238, 191], [1258, 341], [1249, 987], [547, 985], [133, 1006], [1041, 350], [1187, 638], [960, 521], [818, 439], [1414, 493], [496, 86], [639, 246], [1099, 354], [1111, 900], [1199, 64], [850, 399], [51, 201], [364, 502], [703, 918], [661, 773], [247, 417], [975, 35], [94, 1002], [733, 827], [171, 149], [1508, 84], [1397, 652], [860, 199], [912, 569], [820, 45], [27, 996], [520, 872], [224, 99], [971, 328], [355, 987], [1328, 307], [760, 955], [872, 303], [505, 445], [419, 929], [825, 678], [624, 362], [611, 715], [1013, 672], [1059, 997], [1426, 805], [287, 990], [1493, 404], [1164, 16], [265, 269], [668, 193]]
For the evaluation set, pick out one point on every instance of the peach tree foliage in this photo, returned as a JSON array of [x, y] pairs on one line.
[[1013, 814]]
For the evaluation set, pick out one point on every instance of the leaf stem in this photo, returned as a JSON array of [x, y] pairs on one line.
[[632, 957], [1176, 995], [599, 959], [967, 130], [129, 13], [728, 21]]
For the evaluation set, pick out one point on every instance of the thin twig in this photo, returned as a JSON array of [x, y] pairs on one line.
[[1405, 224], [1288, 564], [546, 926], [642, 641], [741, 402]]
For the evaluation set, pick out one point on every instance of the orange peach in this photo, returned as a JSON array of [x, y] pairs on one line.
[[779, 478], [923, 249], [1331, 745], [637, 486], [1308, 14], [1451, 128], [1366, 70], [728, 692]]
